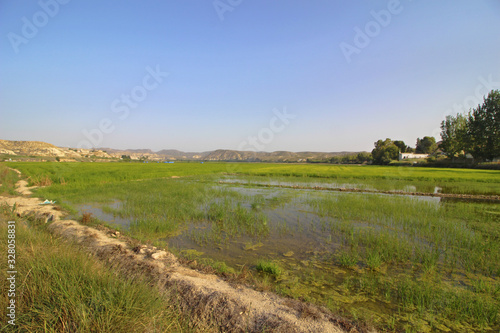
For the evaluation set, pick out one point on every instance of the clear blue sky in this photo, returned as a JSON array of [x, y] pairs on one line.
[[230, 63]]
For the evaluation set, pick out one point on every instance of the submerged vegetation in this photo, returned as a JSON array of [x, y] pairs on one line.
[[397, 262]]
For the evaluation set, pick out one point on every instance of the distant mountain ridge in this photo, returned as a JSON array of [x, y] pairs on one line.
[[43, 149], [231, 155]]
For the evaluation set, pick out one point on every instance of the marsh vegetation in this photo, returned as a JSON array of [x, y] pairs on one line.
[[397, 262]]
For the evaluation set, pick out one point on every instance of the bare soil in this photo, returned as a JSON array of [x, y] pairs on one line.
[[232, 307]]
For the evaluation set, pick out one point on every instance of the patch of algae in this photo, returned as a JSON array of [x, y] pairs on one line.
[[252, 247], [191, 254]]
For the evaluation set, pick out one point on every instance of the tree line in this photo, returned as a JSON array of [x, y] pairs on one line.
[[476, 132], [388, 150]]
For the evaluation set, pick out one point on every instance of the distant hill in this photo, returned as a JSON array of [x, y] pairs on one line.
[[277, 156], [33, 148], [43, 149], [38, 149]]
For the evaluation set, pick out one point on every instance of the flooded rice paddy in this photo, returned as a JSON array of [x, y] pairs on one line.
[[352, 252], [402, 249]]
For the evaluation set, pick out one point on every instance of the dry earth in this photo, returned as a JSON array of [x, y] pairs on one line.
[[233, 307]]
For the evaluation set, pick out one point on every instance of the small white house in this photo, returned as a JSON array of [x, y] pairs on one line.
[[405, 156]]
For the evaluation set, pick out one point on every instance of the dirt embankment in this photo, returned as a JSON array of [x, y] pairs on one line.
[[234, 308]]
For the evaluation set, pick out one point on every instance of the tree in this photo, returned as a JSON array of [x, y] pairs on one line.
[[351, 158], [427, 145], [364, 157], [483, 128], [384, 152], [402, 146], [454, 135]]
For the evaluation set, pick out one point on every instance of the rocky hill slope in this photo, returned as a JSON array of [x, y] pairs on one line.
[[30, 149], [11, 149]]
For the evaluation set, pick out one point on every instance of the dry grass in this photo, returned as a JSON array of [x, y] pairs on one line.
[[87, 218], [40, 180]]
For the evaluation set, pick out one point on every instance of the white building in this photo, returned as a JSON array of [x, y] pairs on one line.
[[405, 156]]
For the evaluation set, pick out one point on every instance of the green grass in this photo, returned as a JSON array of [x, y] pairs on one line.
[[89, 174], [8, 179], [347, 258], [368, 171], [425, 264], [157, 205], [269, 267], [60, 288], [86, 174], [398, 229]]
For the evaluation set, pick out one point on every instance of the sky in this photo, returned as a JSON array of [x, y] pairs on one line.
[[296, 75]]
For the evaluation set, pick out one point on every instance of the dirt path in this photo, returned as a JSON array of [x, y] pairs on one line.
[[25, 205], [235, 308]]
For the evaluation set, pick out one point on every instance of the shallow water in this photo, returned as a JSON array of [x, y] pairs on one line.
[[295, 230], [113, 219], [298, 238], [353, 184]]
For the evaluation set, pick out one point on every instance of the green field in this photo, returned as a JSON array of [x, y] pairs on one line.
[[397, 262], [59, 288]]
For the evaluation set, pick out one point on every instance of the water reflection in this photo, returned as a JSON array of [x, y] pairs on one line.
[[106, 212]]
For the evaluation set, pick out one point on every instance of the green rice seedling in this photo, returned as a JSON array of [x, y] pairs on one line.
[[217, 212], [374, 260], [429, 259], [149, 229], [348, 284], [258, 202], [347, 259], [461, 305], [370, 283], [269, 267], [234, 219], [484, 286]]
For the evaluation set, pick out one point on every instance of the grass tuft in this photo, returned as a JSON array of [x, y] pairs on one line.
[[269, 267]]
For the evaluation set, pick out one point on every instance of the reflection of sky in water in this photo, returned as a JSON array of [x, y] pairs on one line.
[[96, 209], [294, 226], [296, 196], [370, 185], [312, 184], [302, 193]]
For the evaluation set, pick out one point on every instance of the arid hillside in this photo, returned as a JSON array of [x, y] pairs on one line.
[[45, 151], [31, 150]]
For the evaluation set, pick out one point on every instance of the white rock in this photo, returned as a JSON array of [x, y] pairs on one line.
[[159, 255]]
